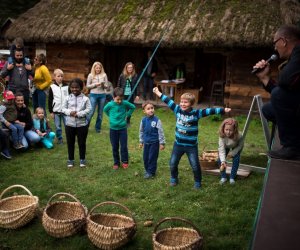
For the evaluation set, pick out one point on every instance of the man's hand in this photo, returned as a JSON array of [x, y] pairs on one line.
[[52, 115], [161, 146], [227, 110], [10, 66], [73, 113], [141, 145]]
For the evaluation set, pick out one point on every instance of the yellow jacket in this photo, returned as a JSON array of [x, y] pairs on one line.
[[42, 78]]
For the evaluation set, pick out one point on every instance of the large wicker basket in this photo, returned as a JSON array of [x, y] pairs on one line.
[[109, 230], [16, 211], [209, 159], [177, 238], [63, 218]]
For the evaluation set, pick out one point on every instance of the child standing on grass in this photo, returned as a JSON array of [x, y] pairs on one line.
[[231, 143], [118, 112], [42, 128], [186, 133], [57, 93], [76, 107], [152, 138], [8, 117]]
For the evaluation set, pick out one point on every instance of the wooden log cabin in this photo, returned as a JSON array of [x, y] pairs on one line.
[[216, 40]]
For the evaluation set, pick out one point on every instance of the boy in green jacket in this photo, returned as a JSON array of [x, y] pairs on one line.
[[118, 111]]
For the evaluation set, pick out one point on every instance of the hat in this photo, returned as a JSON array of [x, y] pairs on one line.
[[8, 95]]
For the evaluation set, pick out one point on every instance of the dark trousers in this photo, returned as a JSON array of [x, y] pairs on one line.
[[148, 87], [284, 110], [150, 156], [117, 138], [81, 133]]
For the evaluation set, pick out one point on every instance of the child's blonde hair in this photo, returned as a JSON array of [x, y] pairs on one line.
[[39, 109], [232, 122], [57, 72], [190, 97]]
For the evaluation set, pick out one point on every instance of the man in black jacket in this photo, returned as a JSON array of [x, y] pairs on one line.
[[284, 107]]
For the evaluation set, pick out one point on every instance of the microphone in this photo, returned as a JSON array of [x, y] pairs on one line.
[[273, 57]]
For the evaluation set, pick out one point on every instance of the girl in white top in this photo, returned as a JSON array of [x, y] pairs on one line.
[[97, 84], [231, 143]]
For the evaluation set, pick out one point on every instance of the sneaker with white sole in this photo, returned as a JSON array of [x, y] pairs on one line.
[[232, 181], [223, 180], [6, 154], [70, 163], [82, 163]]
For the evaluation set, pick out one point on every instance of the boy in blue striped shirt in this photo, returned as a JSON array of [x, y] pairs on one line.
[[186, 133]]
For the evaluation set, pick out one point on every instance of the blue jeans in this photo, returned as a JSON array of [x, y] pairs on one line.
[[30, 137], [150, 156], [58, 119], [192, 154], [235, 165], [39, 100], [117, 138], [97, 100], [17, 132]]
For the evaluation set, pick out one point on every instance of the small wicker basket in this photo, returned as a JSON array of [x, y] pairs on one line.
[[16, 211], [209, 159], [63, 218], [177, 238], [108, 230]]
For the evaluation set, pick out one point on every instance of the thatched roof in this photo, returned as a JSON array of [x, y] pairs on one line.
[[191, 23]]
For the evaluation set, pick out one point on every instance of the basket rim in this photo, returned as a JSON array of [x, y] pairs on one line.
[[35, 198], [115, 204], [14, 186]]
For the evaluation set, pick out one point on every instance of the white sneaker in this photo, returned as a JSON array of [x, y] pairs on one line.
[[223, 180], [232, 181]]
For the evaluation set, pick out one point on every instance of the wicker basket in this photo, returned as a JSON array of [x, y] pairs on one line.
[[16, 211], [209, 159], [177, 238], [63, 218], [108, 230]]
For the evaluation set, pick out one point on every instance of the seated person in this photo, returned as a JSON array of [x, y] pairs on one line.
[[8, 117], [24, 118]]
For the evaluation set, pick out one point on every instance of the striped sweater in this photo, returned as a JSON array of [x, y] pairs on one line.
[[186, 132]]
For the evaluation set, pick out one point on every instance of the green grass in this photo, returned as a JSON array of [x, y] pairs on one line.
[[224, 214]]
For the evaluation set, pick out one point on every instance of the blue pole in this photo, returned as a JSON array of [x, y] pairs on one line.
[[143, 72]]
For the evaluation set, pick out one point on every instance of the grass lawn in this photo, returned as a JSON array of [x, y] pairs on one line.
[[224, 214]]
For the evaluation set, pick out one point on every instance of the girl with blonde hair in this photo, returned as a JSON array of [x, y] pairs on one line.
[[97, 84], [231, 143]]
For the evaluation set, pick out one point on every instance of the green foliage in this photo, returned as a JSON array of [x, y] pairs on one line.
[[223, 214]]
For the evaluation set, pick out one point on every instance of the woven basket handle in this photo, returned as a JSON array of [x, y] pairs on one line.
[[70, 196], [13, 186], [112, 203], [176, 219]]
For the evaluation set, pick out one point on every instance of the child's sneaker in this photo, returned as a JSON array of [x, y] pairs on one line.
[[82, 163], [6, 154], [197, 185], [16, 146], [232, 181], [124, 165], [148, 176], [70, 163], [115, 167], [173, 182], [223, 180], [21, 145]]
